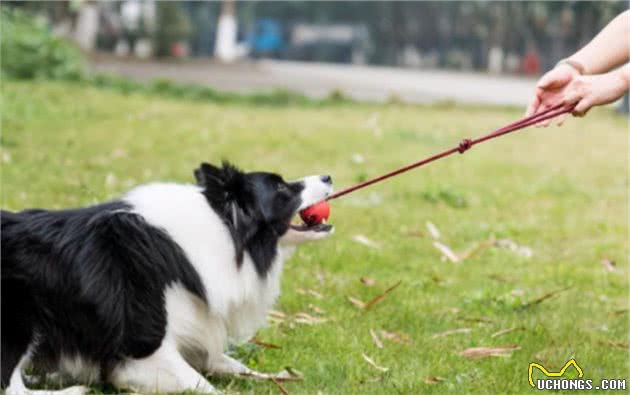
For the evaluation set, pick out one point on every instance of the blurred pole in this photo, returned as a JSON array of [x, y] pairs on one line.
[[87, 26], [225, 46]]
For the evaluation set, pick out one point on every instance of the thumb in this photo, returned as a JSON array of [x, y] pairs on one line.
[[554, 79], [572, 97]]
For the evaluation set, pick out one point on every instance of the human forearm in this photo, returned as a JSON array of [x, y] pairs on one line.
[[624, 73], [609, 49], [589, 91]]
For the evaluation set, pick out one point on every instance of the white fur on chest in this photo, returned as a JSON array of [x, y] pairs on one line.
[[238, 298]]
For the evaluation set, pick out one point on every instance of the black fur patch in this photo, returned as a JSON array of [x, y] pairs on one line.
[[256, 207], [86, 281]]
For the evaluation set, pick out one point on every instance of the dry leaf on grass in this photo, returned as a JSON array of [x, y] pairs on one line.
[[506, 331], [414, 233], [623, 346], [277, 314], [305, 318], [358, 303], [276, 317], [367, 281], [509, 244], [310, 292], [446, 251], [377, 342], [263, 344], [397, 337], [484, 352], [433, 380], [317, 309], [119, 153], [362, 239], [433, 230], [373, 364], [451, 332], [608, 265]]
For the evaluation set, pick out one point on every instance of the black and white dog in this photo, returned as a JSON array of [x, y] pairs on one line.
[[145, 292]]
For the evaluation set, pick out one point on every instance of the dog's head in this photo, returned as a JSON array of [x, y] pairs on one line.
[[258, 208]]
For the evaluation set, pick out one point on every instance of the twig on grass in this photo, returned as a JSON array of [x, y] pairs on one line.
[[477, 249], [544, 297], [378, 298], [367, 305], [280, 386], [478, 320], [373, 364], [263, 344]]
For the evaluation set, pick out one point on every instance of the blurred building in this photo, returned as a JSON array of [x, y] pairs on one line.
[[499, 37]]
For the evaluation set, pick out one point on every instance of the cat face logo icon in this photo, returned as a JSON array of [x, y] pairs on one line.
[[547, 373]]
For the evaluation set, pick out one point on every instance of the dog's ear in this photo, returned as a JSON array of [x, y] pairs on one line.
[[207, 174], [223, 184]]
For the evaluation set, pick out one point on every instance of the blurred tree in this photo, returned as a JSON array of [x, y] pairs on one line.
[[173, 27]]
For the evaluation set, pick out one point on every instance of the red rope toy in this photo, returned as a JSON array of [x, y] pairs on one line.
[[318, 212]]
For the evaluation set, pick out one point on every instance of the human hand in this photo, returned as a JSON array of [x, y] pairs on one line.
[[594, 90], [551, 90]]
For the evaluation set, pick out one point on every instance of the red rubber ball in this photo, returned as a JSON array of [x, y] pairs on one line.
[[316, 214]]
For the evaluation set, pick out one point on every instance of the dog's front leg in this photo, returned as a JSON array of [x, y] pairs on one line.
[[225, 365], [163, 371]]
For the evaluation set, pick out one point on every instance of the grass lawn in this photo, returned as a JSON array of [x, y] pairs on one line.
[[563, 192]]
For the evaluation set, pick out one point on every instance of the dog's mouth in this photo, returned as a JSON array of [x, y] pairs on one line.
[[304, 227], [312, 228]]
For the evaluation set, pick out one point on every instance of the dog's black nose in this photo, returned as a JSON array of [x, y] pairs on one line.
[[326, 179]]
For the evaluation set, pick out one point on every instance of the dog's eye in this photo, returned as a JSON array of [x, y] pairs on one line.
[[282, 188]]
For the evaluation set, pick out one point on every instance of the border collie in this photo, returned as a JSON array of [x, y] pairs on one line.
[[145, 292]]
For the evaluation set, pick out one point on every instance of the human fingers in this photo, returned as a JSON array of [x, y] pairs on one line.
[[532, 107], [556, 78], [561, 118], [546, 122], [582, 107]]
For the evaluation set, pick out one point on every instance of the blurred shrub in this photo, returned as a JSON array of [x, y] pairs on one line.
[[29, 50], [174, 26]]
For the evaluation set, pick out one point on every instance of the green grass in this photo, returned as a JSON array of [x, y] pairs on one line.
[[561, 191]]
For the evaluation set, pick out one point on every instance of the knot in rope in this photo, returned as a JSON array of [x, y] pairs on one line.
[[464, 145]]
